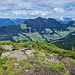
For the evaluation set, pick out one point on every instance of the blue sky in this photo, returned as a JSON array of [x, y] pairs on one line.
[[36, 8]]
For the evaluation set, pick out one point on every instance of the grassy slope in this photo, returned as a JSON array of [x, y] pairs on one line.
[[46, 48]]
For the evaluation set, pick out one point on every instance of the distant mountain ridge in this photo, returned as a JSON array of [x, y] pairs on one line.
[[41, 23], [42, 29], [9, 21], [6, 22]]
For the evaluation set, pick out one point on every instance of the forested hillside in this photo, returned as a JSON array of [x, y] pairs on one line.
[[39, 29], [66, 43]]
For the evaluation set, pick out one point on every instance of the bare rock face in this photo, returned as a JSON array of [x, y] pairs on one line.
[[52, 58], [5, 54], [70, 67], [40, 71], [30, 53], [15, 54], [18, 54], [7, 47]]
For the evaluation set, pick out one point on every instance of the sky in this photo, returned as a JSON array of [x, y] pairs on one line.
[[37, 8]]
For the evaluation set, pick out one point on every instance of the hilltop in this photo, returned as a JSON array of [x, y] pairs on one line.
[[41, 58]]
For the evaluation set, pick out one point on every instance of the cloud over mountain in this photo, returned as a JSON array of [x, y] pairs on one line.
[[35, 8]]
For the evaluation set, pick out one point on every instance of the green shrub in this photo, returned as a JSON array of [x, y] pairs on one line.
[[0, 53], [15, 47], [66, 73], [72, 61]]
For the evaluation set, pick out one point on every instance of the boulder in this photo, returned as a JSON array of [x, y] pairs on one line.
[[7, 47], [6, 54], [30, 53], [18, 55], [15, 54]]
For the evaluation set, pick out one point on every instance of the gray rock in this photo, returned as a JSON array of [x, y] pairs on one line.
[[18, 54], [30, 53], [26, 70], [7, 47], [6, 54], [52, 58], [15, 54]]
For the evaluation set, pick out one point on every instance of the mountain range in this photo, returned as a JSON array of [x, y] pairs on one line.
[[8, 21], [38, 29]]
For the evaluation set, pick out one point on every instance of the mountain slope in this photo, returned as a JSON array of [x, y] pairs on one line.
[[11, 21], [66, 43], [41, 23], [18, 21], [42, 29], [6, 22]]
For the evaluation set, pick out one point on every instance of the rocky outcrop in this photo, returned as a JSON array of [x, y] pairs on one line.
[[15, 54], [19, 54], [52, 58], [7, 47]]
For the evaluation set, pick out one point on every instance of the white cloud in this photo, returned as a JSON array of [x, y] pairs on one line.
[[61, 18], [5, 14], [58, 10], [73, 18], [43, 13], [35, 8]]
